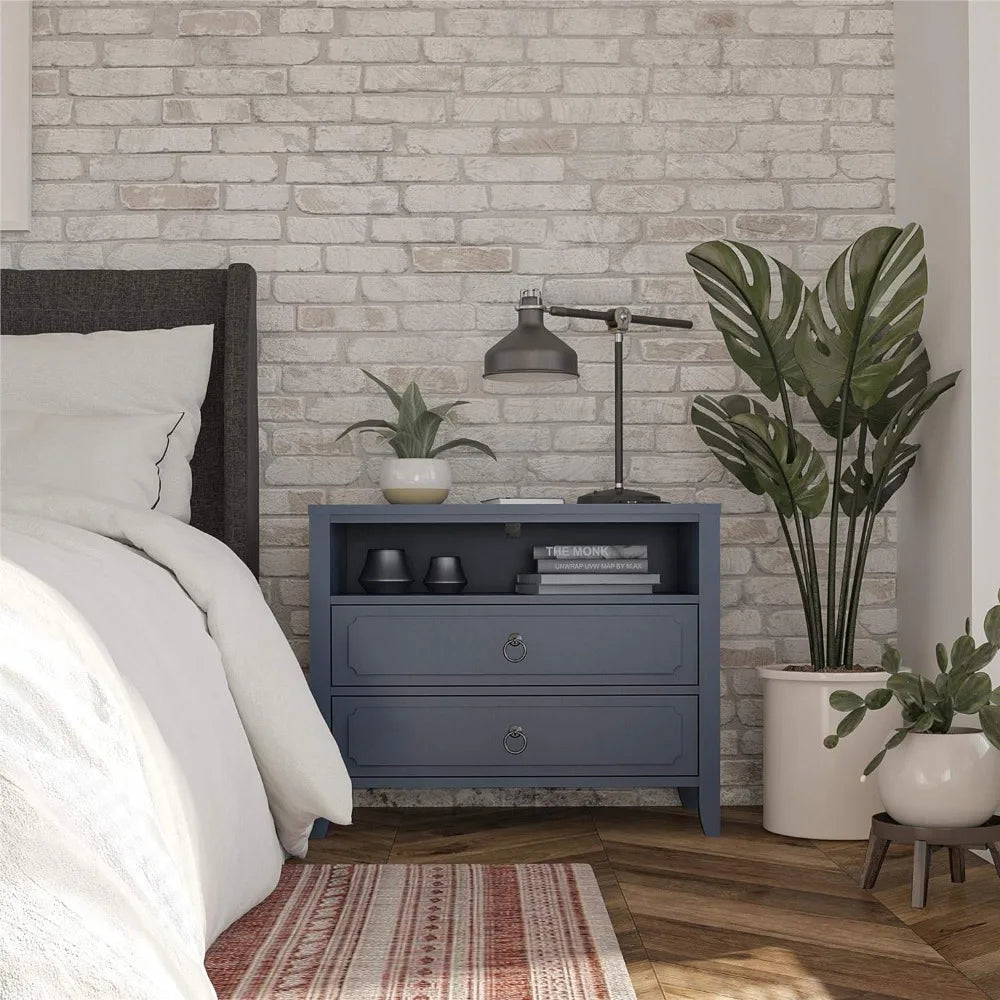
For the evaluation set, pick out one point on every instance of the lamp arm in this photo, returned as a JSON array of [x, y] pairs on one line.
[[608, 316], [619, 320], [680, 324]]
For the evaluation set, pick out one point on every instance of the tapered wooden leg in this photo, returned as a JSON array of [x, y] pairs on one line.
[[994, 849], [877, 848], [921, 874], [956, 859]]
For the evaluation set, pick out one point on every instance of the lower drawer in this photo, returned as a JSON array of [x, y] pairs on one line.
[[474, 736]]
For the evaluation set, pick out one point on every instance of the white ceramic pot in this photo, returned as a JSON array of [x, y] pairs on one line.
[[415, 480], [941, 779], [810, 791]]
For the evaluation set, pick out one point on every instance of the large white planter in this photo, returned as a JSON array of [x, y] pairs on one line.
[[810, 791], [941, 779], [415, 480]]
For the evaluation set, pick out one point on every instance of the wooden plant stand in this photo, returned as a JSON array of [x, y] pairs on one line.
[[886, 831]]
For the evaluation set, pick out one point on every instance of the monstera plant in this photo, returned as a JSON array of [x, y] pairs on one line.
[[851, 348]]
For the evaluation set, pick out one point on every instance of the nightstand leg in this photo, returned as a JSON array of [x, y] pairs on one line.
[[706, 801], [710, 813]]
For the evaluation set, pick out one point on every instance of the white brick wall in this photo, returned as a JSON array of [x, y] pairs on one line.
[[396, 176]]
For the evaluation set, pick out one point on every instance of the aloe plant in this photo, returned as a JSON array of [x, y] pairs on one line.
[[962, 687], [417, 425], [851, 348]]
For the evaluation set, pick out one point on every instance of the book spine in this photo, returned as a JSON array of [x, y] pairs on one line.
[[590, 552], [519, 500], [595, 590], [593, 565], [589, 579]]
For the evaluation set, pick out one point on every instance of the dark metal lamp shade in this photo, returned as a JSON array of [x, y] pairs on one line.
[[530, 352]]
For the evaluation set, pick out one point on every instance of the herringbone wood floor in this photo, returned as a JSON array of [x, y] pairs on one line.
[[748, 916]]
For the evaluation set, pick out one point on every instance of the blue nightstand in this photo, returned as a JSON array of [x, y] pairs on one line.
[[493, 689]]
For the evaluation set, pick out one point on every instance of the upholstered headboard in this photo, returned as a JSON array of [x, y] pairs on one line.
[[224, 501]]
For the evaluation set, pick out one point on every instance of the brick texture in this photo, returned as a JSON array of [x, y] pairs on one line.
[[397, 175]]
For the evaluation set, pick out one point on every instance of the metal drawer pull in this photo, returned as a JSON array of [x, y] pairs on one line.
[[515, 741], [514, 649]]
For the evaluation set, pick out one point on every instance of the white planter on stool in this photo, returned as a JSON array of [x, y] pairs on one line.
[[415, 480], [941, 779]]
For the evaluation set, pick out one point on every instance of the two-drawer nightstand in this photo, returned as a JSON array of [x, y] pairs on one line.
[[488, 688]]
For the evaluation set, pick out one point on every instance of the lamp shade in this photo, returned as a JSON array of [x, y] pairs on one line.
[[530, 352]]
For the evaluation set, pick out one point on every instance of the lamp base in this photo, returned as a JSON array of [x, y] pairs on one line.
[[619, 495]]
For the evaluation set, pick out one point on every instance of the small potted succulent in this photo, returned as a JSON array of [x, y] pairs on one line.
[[932, 772], [417, 474]]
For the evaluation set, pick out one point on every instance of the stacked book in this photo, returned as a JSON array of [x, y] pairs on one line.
[[589, 569]]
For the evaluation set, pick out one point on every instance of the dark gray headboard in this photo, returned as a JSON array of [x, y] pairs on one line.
[[224, 500]]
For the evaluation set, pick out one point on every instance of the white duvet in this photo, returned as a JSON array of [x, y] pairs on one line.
[[159, 751]]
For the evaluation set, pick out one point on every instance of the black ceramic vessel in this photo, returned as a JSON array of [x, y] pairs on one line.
[[445, 575], [385, 572]]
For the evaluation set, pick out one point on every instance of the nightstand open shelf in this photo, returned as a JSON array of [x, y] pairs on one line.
[[426, 690], [493, 553]]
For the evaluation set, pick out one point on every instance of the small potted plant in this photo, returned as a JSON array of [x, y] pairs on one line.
[[937, 774], [417, 474], [850, 350]]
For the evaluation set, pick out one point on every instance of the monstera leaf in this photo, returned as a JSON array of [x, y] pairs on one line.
[[859, 481], [910, 380], [891, 443], [711, 419], [758, 317], [829, 416], [796, 483], [892, 458], [874, 294]]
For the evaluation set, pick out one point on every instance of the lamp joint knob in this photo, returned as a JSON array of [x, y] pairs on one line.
[[531, 298]]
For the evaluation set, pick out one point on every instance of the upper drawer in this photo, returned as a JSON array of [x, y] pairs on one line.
[[553, 644]]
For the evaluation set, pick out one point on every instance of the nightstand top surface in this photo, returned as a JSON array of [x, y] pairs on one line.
[[501, 513]]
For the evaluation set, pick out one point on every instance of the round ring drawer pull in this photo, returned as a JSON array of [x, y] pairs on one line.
[[514, 649], [514, 741]]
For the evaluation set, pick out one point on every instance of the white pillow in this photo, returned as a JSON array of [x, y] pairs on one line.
[[113, 458], [117, 372]]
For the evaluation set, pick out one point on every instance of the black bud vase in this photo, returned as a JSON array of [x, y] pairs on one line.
[[385, 572], [445, 575]]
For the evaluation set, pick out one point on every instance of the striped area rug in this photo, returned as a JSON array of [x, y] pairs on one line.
[[424, 932]]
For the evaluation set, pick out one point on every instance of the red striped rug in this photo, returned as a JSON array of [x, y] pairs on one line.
[[424, 932]]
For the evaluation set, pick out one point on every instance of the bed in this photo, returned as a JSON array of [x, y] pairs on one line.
[[160, 753], [224, 499]]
